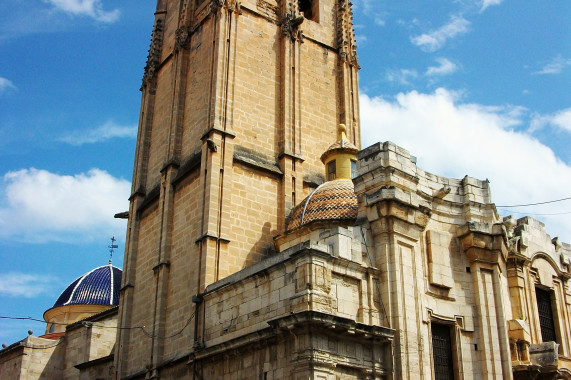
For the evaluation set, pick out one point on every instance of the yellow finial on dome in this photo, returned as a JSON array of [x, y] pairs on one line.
[[341, 132]]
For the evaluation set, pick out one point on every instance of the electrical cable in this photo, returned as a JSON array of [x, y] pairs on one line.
[[89, 324], [532, 214], [538, 203]]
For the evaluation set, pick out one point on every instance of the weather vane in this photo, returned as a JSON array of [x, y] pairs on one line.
[[111, 249]]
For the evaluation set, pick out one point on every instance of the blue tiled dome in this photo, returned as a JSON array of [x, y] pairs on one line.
[[98, 287]]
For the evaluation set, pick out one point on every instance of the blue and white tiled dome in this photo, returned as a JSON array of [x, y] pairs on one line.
[[97, 287]]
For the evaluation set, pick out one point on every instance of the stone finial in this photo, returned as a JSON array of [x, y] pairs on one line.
[[341, 132]]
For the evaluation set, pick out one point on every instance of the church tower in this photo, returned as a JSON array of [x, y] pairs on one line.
[[239, 101]]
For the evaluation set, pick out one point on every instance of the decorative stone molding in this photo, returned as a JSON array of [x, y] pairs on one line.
[[154, 57], [346, 33], [270, 10]]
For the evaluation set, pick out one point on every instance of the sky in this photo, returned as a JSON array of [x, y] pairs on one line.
[[469, 87]]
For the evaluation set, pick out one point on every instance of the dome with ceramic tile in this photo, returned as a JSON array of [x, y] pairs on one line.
[[97, 287], [333, 200]]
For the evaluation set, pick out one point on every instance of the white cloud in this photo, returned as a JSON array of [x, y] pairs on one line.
[[445, 67], [6, 84], [379, 20], [437, 39], [455, 139], [39, 206], [560, 119], [17, 284], [105, 132], [89, 8], [489, 3], [556, 66], [401, 76]]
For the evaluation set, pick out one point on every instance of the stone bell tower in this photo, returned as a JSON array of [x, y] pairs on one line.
[[239, 101]]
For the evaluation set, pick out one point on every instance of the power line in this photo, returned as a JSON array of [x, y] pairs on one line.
[[535, 204], [90, 324], [532, 214]]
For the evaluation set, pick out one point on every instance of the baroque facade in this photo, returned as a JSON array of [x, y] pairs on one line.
[[263, 243]]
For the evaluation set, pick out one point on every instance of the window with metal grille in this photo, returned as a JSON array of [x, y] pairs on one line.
[[442, 352], [545, 310]]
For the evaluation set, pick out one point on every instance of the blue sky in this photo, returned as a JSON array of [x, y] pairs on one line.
[[470, 87]]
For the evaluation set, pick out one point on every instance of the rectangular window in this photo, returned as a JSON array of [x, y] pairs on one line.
[[545, 311], [331, 171], [442, 352], [353, 169]]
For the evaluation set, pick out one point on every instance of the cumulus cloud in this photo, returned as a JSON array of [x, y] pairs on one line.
[[437, 39], [455, 139], [560, 119], [555, 66], [105, 132], [401, 76], [372, 9], [15, 284], [489, 3], [89, 8], [6, 84], [40, 206], [445, 67]]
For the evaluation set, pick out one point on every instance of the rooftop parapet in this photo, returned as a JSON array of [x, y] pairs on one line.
[[385, 167]]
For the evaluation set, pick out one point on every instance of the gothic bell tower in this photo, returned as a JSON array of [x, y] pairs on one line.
[[239, 101]]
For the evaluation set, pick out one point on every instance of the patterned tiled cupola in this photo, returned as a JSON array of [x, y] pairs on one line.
[[90, 294], [334, 200], [97, 287], [340, 158]]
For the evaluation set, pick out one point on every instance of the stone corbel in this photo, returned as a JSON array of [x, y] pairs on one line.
[[482, 242]]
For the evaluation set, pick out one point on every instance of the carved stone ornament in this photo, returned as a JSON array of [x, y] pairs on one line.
[[182, 38], [215, 5], [290, 25]]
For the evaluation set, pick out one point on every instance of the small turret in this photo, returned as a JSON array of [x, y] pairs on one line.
[[340, 159]]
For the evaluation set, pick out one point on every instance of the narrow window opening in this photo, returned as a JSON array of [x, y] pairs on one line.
[[331, 170], [310, 9], [353, 169], [442, 352], [546, 321]]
